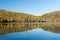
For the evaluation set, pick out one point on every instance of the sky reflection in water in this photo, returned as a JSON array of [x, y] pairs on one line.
[[33, 34]]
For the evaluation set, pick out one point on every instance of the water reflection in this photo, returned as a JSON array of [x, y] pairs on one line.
[[51, 27], [11, 28]]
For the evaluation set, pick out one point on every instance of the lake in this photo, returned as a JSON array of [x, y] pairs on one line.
[[30, 31]]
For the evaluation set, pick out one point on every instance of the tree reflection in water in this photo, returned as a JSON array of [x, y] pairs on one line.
[[11, 28]]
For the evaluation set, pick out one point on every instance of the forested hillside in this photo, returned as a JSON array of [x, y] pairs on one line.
[[8, 16], [52, 16]]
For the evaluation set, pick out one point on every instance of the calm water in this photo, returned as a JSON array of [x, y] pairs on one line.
[[31, 23], [29, 32]]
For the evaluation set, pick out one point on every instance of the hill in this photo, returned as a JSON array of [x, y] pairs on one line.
[[52, 16], [8, 16]]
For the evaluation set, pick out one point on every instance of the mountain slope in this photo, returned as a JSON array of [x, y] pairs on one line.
[[17, 17], [8, 16], [52, 16]]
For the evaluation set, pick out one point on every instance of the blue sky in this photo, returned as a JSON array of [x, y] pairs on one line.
[[34, 7]]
